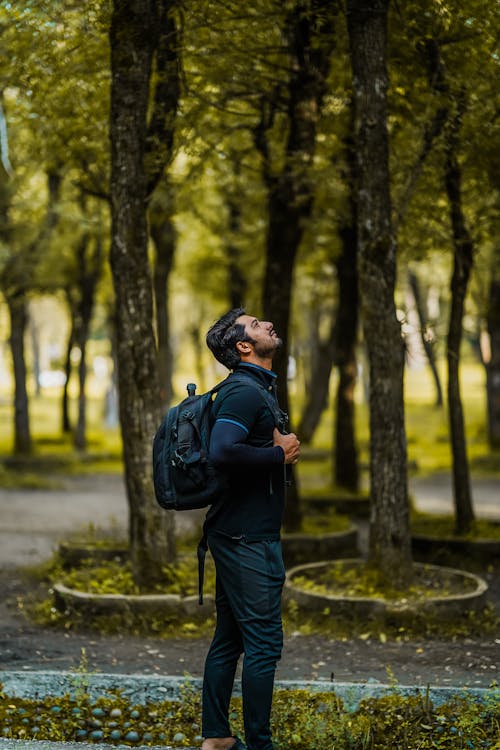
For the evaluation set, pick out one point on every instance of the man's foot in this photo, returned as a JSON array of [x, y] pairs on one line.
[[222, 743]]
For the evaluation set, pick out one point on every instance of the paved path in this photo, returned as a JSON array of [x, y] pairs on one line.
[[33, 521], [434, 494]]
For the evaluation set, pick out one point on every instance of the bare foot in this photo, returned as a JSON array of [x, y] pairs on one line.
[[218, 743]]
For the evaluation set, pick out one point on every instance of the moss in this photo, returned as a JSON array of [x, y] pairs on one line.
[[115, 577], [410, 627], [346, 579], [325, 523], [300, 721]]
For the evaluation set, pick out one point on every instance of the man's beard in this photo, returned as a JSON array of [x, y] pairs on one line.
[[268, 348]]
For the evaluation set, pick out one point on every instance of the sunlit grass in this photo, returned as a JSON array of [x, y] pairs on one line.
[[54, 449], [426, 428]]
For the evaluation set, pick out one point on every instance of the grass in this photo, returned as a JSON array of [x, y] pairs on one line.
[[53, 451]]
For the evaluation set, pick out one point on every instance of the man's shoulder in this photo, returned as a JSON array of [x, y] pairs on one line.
[[243, 392]]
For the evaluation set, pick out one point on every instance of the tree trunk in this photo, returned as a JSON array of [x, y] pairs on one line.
[[159, 154], [236, 277], [162, 232], [389, 544], [426, 343], [310, 34], [65, 418], [35, 348], [18, 313], [318, 387], [346, 465], [462, 265], [493, 366], [133, 35]]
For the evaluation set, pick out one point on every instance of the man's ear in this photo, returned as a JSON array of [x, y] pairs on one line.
[[243, 347]]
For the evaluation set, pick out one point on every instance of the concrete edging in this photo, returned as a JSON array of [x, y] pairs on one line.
[[108, 604], [446, 606], [155, 688]]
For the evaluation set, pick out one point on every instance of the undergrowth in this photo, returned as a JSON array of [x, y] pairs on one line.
[[301, 720]]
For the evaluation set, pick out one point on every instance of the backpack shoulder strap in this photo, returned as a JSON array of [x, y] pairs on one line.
[[280, 418]]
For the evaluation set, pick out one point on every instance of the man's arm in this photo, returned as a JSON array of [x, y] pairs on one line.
[[228, 446]]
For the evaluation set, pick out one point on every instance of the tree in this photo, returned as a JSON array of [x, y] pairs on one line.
[[16, 280], [427, 343], [389, 546], [346, 464], [138, 155], [310, 37]]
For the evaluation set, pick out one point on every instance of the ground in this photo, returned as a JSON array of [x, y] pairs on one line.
[[32, 522]]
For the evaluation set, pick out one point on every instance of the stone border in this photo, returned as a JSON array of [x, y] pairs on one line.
[[140, 689], [444, 606], [296, 549], [109, 604]]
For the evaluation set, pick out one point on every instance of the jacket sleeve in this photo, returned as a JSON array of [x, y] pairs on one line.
[[228, 446]]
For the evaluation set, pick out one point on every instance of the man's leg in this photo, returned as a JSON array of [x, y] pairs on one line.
[[220, 668], [253, 576], [262, 636]]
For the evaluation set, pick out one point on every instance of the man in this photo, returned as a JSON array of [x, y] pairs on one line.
[[243, 532]]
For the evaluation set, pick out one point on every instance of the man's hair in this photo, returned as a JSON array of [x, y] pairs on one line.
[[223, 336]]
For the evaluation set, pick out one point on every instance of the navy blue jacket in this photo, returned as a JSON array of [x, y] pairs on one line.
[[241, 446]]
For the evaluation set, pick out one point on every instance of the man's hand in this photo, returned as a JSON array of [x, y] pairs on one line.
[[290, 445]]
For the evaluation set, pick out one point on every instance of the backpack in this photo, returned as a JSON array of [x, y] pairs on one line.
[[183, 477]]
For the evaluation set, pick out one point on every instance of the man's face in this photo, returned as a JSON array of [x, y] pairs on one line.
[[266, 340]]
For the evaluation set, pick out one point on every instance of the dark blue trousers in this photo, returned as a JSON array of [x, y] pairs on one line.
[[249, 582]]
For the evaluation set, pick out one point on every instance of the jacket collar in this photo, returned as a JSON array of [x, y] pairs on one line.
[[266, 377]]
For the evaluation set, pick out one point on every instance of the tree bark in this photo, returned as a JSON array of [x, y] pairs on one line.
[[18, 313], [389, 544], [133, 36], [426, 343], [493, 366], [463, 253]]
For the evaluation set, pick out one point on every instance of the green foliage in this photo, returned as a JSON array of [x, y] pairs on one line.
[[300, 721]]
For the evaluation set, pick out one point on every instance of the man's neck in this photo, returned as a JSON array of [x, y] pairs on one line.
[[266, 363]]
